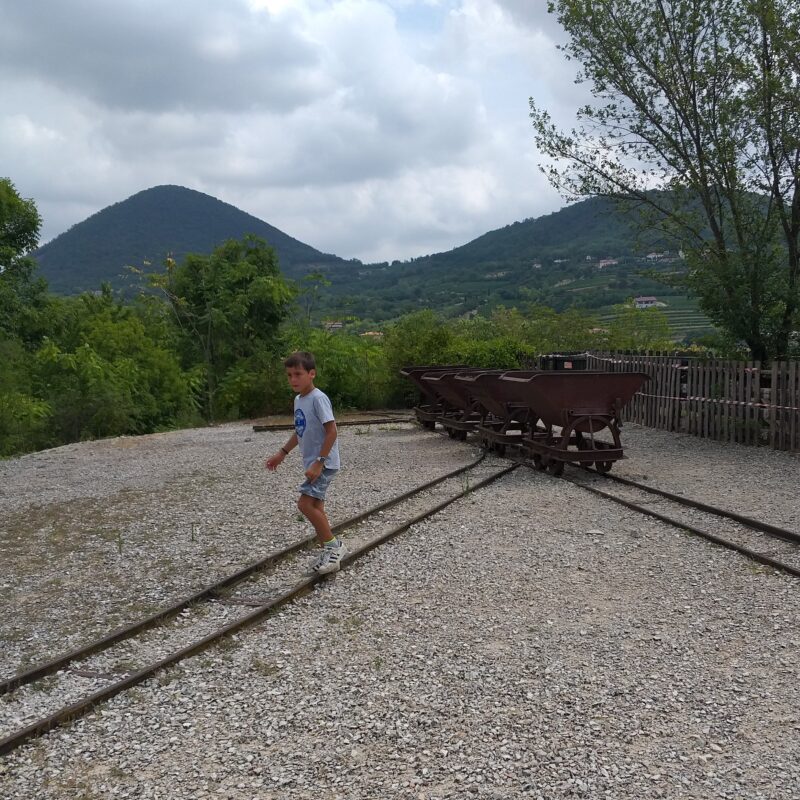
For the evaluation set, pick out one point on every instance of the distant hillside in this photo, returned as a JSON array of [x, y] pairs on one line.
[[152, 224], [588, 254], [592, 227]]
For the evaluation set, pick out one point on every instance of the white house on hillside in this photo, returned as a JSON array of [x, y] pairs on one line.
[[645, 301]]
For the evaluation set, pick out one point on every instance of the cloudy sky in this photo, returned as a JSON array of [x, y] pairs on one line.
[[373, 129]]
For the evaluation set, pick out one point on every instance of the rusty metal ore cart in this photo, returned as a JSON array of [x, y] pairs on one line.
[[462, 410], [580, 404], [503, 421], [431, 406]]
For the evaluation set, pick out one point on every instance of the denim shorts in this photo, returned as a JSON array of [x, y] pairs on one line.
[[320, 485]]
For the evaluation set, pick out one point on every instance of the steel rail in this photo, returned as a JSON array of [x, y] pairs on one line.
[[82, 707], [712, 537], [118, 635], [773, 530], [339, 423]]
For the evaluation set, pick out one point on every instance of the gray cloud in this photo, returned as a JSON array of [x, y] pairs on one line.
[[534, 14], [151, 55], [354, 125]]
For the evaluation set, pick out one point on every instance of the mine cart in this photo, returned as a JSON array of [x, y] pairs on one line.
[[462, 412], [503, 420], [571, 408], [431, 406]]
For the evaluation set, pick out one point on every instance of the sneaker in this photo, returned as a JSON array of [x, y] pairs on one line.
[[331, 558], [316, 562]]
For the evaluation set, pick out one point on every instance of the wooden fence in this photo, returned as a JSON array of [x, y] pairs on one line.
[[730, 401]]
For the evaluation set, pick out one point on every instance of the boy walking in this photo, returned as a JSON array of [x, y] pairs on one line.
[[315, 432]]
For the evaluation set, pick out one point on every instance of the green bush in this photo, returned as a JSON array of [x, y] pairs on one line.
[[351, 369]]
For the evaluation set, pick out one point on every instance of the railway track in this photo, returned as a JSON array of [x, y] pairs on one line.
[[372, 419], [760, 541], [69, 686]]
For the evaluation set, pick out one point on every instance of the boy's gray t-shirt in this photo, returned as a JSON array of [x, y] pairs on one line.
[[311, 412]]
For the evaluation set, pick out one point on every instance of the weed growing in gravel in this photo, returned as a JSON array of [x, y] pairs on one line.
[[13, 635], [116, 773], [377, 662], [45, 684], [166, 678], [363, 431], [266, 668], [74, 786], [227, 643]]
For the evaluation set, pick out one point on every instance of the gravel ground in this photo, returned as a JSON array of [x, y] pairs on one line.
[[113, 530], [530, 641]]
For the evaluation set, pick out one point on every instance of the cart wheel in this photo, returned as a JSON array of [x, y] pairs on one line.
[[603, 466], [500, 449], [462, 436], [538, 463], [431, 426], [556, 467]]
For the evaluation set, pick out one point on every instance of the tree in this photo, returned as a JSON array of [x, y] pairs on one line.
[[19, 224], [697, 122], [312, 286], [229, 306], [22, 296], [23, 300]]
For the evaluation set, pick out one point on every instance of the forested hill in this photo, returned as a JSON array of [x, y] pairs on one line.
[[587, 254], [147, 227], [593, 227]]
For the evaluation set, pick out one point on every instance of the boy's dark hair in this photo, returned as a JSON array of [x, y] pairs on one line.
[[300, 358]]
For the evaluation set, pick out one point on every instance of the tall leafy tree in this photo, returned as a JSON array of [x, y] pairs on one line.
[[22, 294], [229, 306], [19, 224], [697, 119], [23, 298]]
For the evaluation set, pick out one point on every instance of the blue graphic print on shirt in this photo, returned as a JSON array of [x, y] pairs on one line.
[[299, 422]]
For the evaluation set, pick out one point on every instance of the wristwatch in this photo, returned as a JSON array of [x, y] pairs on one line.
[[322, 460]]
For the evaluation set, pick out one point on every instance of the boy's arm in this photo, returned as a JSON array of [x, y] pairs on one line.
[[330, 437], [274, 460]]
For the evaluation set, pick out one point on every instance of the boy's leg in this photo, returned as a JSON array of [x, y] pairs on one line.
[[313, 510]]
